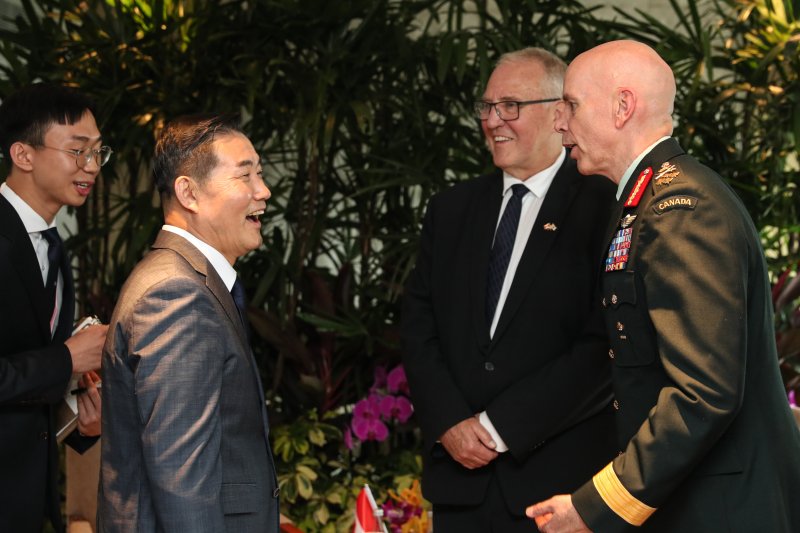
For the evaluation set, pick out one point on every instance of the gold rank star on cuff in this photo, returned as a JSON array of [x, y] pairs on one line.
[[619, 499]]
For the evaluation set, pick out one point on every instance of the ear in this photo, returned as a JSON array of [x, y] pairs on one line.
[[185, 189], [624, 106], [22, 155]]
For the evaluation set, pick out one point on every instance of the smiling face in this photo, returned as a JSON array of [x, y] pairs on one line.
[[527, 145], [48, 178], [231, 199]]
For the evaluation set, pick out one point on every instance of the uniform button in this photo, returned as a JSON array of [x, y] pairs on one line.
[[620, 326], [488, 365], [43, 435], [614, 299], [605, 303], [611, 353], [616, 405]]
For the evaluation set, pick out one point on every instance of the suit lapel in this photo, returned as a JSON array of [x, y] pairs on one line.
[[217, 287], [553, 211], [26, 264], [485, 205]]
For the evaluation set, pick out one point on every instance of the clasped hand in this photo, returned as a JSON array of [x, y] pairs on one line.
[[469, 443]]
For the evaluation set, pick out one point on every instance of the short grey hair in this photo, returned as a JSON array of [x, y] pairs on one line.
[[554, 67]]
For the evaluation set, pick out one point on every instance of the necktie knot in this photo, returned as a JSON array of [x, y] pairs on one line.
[[237, 291], [54, 251], [51, 236], [519, 190], [239, 298]]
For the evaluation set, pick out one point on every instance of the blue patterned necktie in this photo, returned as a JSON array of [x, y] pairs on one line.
[[501, 250]]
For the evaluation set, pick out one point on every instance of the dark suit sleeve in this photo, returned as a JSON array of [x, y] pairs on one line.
[[79, 443], [694, 265], [439, 404], [30, 371], [34, 376], [176, 336]]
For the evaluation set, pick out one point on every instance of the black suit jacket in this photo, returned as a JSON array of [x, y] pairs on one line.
[[34, 373], [544, 377], [703, 418]]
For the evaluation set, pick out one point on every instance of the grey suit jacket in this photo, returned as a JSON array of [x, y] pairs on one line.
[[185, 436]]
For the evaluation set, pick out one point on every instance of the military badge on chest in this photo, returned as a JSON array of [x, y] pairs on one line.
[[619, 251]]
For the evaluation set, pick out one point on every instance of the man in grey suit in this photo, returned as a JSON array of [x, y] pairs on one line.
[[185, 442]]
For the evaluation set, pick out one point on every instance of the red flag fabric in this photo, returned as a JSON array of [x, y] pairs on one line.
[[367, 513]]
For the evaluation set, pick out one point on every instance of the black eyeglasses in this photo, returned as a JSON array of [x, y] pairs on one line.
[[507, 110], [84, 157]]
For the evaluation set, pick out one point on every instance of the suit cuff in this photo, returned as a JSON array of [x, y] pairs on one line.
[[483, 418]]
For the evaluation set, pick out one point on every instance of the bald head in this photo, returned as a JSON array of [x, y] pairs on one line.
[[633, 65], [630, 93]]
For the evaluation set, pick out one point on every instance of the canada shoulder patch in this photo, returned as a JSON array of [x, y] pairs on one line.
[[675, 202]]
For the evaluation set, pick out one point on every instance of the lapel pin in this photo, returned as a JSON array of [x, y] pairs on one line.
[[550, 227]]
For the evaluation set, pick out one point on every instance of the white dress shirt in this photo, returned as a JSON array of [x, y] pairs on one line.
[[217, 260]]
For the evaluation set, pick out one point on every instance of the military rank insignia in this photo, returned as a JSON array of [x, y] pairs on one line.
[[618, 251], [639, 187], [665, 175]]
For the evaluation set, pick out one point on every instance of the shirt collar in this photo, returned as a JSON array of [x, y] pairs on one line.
[[217, 260], [632, 167], [32, 221], [540, 182]]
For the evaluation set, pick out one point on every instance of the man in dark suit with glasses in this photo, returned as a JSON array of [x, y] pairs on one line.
[[504, 344], [53, 149]]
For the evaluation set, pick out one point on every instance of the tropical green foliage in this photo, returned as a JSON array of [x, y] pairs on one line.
[[362, 110]]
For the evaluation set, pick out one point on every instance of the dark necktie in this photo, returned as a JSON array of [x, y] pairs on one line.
[[55, 249], [501, 250], [239, 298]]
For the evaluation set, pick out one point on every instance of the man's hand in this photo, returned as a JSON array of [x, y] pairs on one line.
[[85, 347], [469, 443], [557, 515], [89, 405]]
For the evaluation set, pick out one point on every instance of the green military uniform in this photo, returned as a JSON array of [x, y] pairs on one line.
[[708, 443]]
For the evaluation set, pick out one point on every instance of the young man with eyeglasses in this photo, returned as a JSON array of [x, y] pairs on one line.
[[53, 150], [505, 347]]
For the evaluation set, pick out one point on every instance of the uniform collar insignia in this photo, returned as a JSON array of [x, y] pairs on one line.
[[639, 187]]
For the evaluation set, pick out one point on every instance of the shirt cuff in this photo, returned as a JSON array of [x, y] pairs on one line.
[[483, 418]]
